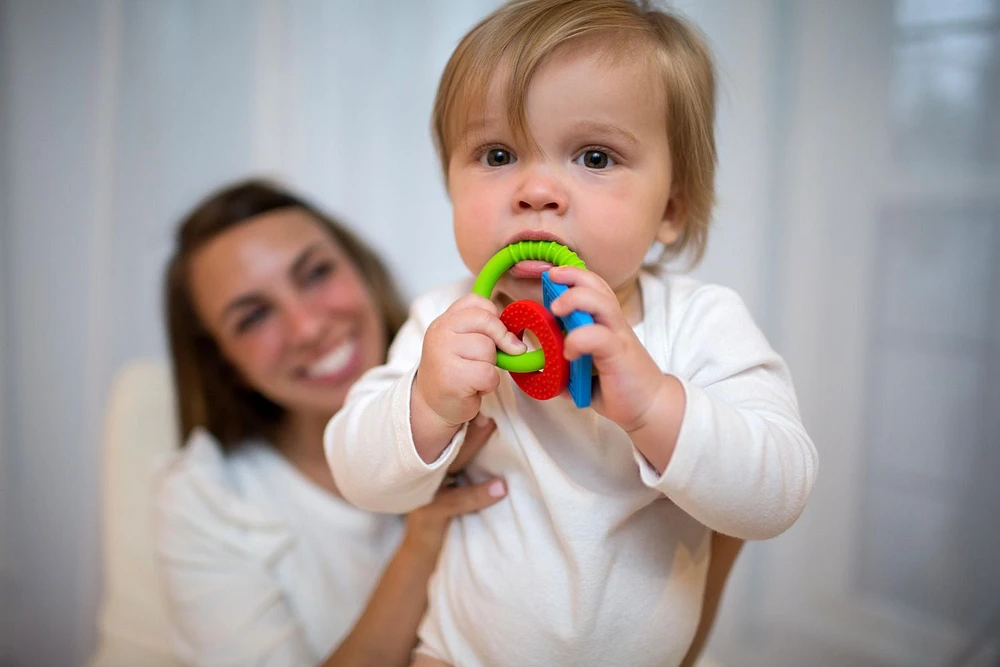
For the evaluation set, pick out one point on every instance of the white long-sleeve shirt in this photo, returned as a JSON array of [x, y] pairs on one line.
[[594, 558], [260, 566]]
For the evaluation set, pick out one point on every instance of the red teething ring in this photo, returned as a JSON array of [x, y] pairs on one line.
[[554, 377]]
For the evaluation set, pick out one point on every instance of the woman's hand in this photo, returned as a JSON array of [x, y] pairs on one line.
[[426, 527], [386, 633]]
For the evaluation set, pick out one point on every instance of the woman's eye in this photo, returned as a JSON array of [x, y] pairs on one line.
[[594, 159], [251, 319], [498, 157], [319, 272]]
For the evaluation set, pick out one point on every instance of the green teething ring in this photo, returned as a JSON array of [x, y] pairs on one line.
[[546, 251]]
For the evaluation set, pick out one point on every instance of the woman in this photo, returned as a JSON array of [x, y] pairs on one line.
[[274, 310]]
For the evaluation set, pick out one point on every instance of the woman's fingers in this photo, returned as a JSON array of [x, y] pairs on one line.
[[479, 432], [456, 500], [453, 500], [428, 524]]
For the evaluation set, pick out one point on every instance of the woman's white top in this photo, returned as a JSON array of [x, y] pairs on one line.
[[260, 565]]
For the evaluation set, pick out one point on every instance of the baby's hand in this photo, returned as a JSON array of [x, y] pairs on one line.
[[457, 367], [628, 378]]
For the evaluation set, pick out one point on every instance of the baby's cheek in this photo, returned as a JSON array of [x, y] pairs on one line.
[[617, 268], [474, 234], [475, 213]]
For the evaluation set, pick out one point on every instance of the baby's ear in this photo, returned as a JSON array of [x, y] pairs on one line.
[[674, 219]]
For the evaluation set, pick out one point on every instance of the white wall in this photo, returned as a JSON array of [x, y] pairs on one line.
[[53, 402], [116, 115], [6, 543]]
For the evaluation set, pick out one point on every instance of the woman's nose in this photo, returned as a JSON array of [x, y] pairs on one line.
[[303, 324], [540, 190]]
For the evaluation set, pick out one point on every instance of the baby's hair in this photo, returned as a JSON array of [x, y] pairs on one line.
[[517, 38]]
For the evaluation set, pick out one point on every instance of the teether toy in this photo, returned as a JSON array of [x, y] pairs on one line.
[[552, 378], [544, 373]]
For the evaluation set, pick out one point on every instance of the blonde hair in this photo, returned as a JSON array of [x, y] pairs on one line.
[[519, 36]]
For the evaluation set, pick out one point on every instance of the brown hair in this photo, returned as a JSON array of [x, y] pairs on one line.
[[516, 38], [210, 392]]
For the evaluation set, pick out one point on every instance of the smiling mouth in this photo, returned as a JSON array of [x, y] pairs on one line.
[[334, 362]]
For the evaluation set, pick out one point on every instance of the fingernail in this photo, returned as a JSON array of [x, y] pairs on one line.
[[497, 489], [481, 420]]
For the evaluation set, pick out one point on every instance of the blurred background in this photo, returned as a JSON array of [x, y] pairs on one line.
[[859, 217]]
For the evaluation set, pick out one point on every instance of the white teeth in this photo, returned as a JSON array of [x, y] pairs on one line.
[[335, 361]]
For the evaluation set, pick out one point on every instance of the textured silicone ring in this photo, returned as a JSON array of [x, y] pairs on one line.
[[550, 381], [546, 251]]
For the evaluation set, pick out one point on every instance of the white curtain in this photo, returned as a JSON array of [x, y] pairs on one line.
[[859, 210]]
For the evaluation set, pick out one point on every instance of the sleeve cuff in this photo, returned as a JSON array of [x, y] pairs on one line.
[[686, 452], [408, 454]]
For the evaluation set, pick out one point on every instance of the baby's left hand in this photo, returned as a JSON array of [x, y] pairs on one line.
[[629, 379]]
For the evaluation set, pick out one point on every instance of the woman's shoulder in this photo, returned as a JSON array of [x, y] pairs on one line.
[[199, 463], [198, 497], [201, 457]]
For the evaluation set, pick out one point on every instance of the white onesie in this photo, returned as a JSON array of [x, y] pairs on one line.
[[594, 558]]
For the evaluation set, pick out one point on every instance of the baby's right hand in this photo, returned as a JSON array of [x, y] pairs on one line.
[[457, 368]]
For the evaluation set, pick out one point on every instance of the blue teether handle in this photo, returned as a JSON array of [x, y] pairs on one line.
[[581, 369]]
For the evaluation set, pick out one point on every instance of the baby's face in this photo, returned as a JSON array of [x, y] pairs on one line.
[[598, 179]]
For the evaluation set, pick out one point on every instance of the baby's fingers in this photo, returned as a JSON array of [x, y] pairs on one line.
[[484, 321], [596, 340]]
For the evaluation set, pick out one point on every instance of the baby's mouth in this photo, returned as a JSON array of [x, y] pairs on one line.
[[530, 269], [538, 252]]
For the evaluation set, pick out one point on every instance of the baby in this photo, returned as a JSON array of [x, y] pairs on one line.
[[588, 123]]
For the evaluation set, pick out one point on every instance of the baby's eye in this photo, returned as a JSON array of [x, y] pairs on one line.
[[498, 157], [595, 159]]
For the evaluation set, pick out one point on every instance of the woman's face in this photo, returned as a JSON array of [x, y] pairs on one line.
[[289, 310]]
